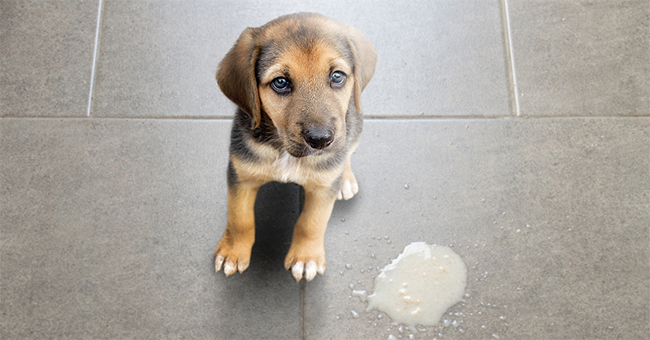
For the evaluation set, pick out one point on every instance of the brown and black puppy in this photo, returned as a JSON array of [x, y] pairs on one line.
[[297, 82]]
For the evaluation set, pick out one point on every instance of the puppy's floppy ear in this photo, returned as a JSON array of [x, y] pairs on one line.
[[365, 59], [236, 75]]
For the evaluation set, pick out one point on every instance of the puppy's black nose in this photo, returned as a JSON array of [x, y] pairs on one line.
[[318, 138]]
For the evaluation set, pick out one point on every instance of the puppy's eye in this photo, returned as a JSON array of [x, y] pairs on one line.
[[281, 85], [337, 79]]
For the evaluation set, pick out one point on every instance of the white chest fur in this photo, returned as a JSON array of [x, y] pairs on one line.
[[288, 168], [274, 165]]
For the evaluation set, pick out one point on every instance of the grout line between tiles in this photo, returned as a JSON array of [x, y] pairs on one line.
[[303, 286], [510, 58], [95, 57]]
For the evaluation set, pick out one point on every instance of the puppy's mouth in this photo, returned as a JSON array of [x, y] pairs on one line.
[[304, 150], [299, 152]]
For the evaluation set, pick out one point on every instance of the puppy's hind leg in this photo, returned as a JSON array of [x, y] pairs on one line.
[[349, 185]]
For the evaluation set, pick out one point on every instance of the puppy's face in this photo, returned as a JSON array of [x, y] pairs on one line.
[[306, 90], [303, 71]]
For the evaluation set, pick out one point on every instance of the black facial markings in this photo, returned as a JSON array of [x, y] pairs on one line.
[[343, 47], [304, 37], [269, 54]]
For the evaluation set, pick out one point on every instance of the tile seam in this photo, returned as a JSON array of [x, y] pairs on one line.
[[303, 286], [95, 57], [510, 58]]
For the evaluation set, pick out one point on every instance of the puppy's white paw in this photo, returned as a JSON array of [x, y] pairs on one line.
[[229, 267], [232, 258], [308, 271], [348, 190]]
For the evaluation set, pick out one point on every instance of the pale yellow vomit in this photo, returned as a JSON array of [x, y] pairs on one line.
[[412, 299]]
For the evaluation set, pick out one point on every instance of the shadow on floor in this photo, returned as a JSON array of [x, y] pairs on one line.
[[277, 209], [265, 288]]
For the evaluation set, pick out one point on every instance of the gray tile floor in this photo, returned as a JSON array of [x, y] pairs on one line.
[[522, 129]]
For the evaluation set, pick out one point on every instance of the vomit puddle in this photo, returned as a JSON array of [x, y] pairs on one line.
[[419, 285]]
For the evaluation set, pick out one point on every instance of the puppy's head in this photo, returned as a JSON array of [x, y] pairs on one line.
[[302, 71]]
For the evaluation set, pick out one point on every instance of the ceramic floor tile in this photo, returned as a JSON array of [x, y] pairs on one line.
[[440, 58], [46, 57], [435, 58], [549, 215], [109, 225], [109, 228], [582, 58]]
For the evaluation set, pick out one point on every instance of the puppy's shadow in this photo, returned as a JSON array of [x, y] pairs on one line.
[[265, 288], [277, 209]]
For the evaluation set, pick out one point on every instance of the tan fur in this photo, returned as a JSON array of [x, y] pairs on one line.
[[305, 49], [310, 74], [238, 239]]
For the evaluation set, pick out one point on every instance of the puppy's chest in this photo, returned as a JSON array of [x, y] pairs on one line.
[[286, 168], [265, 163], [282, 167]]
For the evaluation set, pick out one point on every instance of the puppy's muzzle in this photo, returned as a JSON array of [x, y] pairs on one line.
[[318, 138]]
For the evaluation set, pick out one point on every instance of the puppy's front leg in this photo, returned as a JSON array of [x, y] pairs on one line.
[[307, 252], [237, 241]]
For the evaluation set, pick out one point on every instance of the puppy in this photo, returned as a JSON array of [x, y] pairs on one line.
[[297, 82]]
